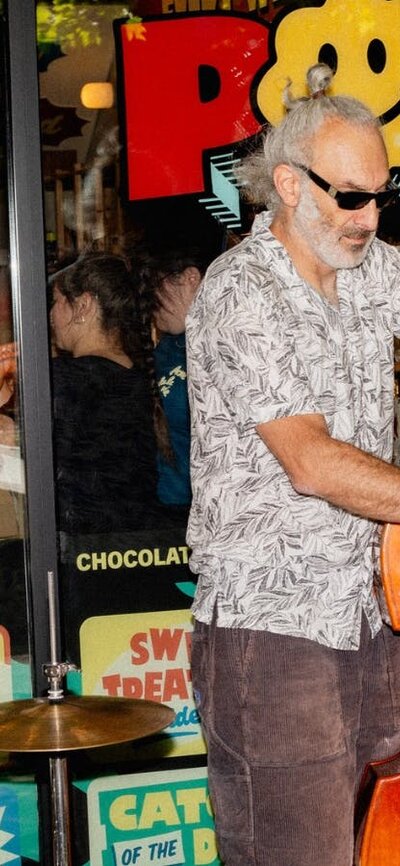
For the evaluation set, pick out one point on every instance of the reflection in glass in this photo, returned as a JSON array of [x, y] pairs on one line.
[[14, 655]]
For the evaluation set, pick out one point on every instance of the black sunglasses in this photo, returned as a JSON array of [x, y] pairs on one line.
[[352, 200]]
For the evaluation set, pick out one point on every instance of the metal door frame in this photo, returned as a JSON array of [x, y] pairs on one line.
[[28, 277]]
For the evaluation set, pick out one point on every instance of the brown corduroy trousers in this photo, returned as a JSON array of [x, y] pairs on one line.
[[290, 726]]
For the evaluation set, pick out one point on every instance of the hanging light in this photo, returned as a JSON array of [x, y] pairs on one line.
[[97, 94]]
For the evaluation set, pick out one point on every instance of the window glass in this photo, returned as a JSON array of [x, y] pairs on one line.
[[14, 652]]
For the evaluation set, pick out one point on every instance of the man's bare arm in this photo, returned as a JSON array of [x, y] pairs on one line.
[[318, 465]]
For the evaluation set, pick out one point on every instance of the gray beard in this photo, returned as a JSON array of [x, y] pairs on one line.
[[323, 239]]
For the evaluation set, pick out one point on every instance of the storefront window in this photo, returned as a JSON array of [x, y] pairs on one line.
[[144, 110], [146, 107]]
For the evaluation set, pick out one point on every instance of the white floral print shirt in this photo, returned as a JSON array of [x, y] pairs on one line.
[[262, 344]]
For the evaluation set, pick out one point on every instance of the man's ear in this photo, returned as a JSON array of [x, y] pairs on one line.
[[287, 184]]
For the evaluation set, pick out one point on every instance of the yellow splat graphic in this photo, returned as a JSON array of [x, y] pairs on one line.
[[363, 36]]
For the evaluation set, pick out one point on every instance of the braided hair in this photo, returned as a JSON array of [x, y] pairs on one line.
[[143, 282]]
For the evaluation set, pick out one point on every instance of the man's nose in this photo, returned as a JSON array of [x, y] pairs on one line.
[[367, 217]]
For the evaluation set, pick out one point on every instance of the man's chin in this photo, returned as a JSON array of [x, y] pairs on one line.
[[343, 259], [355, 252]]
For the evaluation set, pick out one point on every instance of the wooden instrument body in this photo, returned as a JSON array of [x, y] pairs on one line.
[[378, 809], [390, 571], [378, 815]]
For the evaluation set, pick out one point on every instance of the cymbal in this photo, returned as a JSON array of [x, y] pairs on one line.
[[78, 722]]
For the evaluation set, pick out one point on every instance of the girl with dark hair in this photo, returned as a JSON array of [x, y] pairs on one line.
[[104, 410]]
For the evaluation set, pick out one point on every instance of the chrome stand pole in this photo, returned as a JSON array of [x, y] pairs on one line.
[[60, 813]]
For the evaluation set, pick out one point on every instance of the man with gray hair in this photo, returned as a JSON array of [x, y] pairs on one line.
[[290, 364]]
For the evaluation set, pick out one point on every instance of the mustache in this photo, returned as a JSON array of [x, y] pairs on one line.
[[358, 234]]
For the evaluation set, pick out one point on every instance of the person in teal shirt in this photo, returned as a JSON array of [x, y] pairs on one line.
[[179, 276]]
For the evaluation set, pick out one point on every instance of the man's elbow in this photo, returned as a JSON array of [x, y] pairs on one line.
[[306, 481]]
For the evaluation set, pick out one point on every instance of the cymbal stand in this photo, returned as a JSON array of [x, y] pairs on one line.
[[61, 722], [60, 813]]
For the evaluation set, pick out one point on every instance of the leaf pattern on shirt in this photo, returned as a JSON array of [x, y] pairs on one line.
[[262, 344]]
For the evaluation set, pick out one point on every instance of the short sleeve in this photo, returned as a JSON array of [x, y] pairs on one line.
[[245, 340]]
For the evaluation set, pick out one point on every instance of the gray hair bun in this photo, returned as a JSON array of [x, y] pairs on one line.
[[318, 80]]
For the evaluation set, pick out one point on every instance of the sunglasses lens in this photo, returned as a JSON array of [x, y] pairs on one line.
[[386, 197], [353, 200], [358, 200]]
